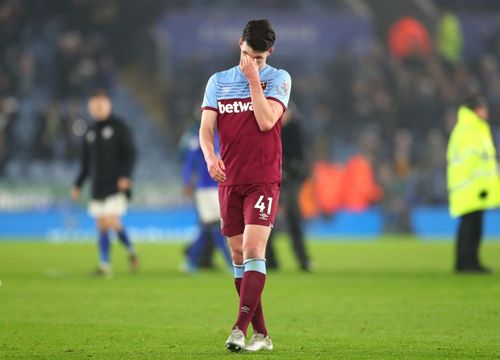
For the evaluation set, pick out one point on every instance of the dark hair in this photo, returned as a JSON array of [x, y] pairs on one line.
[[99, 93], [259, 35], [474, 101]]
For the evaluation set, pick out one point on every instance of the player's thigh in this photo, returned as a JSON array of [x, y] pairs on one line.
[[231, 211], [236, 247], [114, 222], [102, 223], [255, 240]]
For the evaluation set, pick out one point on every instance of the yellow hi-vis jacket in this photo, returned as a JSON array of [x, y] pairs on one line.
[[473, 180]]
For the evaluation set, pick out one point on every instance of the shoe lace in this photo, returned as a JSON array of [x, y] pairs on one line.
[[237, 333], [257, 337]]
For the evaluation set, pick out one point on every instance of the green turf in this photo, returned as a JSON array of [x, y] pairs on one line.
[[366, 300]]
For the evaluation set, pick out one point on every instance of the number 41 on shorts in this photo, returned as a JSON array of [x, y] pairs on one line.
[[262, 206]]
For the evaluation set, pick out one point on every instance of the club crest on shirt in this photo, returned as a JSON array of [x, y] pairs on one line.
[[263, 85], [283, 88], [107, 132]]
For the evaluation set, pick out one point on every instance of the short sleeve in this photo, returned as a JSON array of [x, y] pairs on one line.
[[210, 97], [281, 88]]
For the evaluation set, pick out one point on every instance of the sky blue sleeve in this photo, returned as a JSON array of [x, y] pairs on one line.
[[210, 98], [282, 85]]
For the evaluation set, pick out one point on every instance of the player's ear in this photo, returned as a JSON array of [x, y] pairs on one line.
[[241, 42], [270, 51]]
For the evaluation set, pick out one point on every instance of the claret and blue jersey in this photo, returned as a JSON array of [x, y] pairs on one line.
[[250, 155]]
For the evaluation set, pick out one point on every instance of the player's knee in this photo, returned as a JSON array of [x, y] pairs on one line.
[[254, 252], [102, 228], [237, 256]]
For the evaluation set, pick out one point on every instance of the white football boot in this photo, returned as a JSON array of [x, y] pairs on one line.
[[236, 341], [259, 342], [103, 270]]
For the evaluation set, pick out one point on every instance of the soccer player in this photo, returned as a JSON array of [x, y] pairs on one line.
[[108, 158], [245, 105], [207, 204]]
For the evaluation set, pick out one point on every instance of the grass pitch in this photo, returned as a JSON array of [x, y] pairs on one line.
[[389, 299]]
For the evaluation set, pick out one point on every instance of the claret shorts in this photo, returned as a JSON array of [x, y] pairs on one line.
[[241, 205]]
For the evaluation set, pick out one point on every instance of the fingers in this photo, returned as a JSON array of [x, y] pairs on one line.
[[123, 183], [75, 194], [245, 60], [249, 66], [221, 164], [188, 190], [217, 173]]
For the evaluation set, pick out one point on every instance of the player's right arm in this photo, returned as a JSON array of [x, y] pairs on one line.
[[207, 131], [208, 127]]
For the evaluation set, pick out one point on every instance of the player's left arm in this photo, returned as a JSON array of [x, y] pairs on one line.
[[267, 112]]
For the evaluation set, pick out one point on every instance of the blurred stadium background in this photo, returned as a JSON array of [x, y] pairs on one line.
[[376, 85]]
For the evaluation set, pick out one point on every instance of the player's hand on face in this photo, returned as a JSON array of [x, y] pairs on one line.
[[249, 67], [216, 169], [75, 193], [123, 184]]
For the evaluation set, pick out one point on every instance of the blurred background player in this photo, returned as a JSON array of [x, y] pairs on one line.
[[245, 105], [294, 172], [108, 158], [473, 180], [205, 260], [197, 182]]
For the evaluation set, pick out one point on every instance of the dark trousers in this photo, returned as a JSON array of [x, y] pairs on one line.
[[205, 258], [293, 218], [470, 232]]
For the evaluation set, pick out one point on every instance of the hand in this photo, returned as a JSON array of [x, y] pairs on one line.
[[188, 190], [75, 193], [216, 169], [249, 68], [123, 184]]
